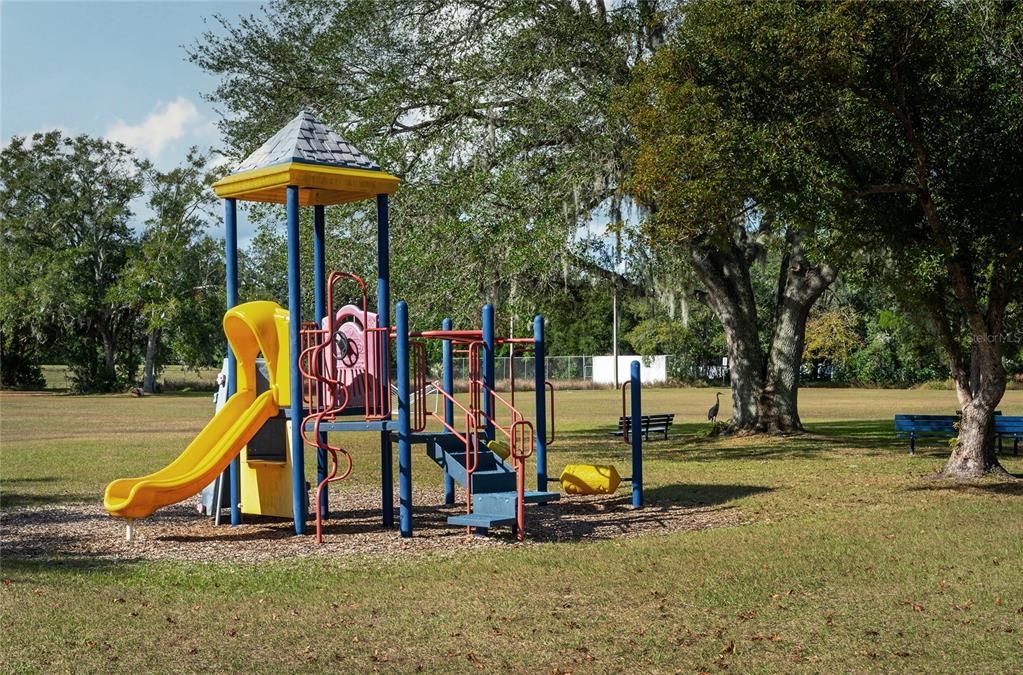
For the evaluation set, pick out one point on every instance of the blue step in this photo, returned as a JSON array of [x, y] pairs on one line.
[[480, 520], [504, 503], [491, 474]]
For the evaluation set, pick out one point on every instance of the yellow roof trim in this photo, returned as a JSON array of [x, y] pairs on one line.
[[319, 184]]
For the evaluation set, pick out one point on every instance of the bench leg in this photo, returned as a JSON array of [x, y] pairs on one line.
[[1015, 445], [912, 444]]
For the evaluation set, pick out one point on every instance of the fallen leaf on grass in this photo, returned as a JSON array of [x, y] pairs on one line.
[[916, 606], [8, 581], [729, 648]]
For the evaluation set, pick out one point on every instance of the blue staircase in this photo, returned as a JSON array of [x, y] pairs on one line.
[[494, 498]]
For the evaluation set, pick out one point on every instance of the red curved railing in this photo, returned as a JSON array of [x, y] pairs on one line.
[[326, 396]]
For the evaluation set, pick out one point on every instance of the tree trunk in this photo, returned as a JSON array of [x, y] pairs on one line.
[[725, 273], [764, 388], [974, 453], [746, 372], [149, 370], [109, 350], [800, 284]]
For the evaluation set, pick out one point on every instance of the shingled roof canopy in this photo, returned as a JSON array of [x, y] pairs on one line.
[[306, 153]]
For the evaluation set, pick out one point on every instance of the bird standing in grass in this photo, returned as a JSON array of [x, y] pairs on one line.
[[712, 414]]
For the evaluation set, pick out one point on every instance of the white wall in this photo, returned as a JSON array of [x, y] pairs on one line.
[[652, 369]]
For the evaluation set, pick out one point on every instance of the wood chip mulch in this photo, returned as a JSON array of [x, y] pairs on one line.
[[85, 531]]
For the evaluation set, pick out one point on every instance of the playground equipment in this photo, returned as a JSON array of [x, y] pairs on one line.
[[335, 375], [251, 329], [597, 479]]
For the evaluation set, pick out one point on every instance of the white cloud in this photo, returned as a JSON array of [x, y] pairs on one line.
[[168, 123]]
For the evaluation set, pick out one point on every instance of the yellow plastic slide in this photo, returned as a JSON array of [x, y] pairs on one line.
[[252, 328]]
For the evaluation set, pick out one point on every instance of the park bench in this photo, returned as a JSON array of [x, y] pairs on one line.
[[916, 426], [1009, 426], [655, 423]]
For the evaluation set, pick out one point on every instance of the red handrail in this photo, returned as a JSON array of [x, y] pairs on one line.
[[418, 354], [470, 439]]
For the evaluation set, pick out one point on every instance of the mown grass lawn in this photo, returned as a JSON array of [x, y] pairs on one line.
[[851, 559]]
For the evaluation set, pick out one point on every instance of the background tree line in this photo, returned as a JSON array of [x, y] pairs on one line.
[[116, 303], [806, 188], [87, 285]]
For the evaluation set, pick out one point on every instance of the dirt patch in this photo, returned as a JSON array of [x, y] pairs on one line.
[[179, 533]]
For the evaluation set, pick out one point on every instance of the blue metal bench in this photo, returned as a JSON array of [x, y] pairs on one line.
[[917, 426], [1009, 426]]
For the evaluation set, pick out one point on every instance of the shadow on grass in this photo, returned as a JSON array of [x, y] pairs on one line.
[[691, 442], [1012, 488], [35, 565], [13, 496], [689, 494]]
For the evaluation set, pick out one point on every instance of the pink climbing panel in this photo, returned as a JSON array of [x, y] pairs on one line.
[[350, 363]]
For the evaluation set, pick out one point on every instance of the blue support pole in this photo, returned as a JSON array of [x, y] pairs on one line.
[[540, 371], [320, 300], [298, 491], [637, 436], [404, 422], [231, 257], [449, 407], [383, 320], [488, 367]]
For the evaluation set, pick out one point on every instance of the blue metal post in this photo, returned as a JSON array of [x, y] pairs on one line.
[[231, 256], [298, 491], [383, 320], [320, 300], [449, 407], [404, 422], [540, 372], [637, 436], [488, 367]]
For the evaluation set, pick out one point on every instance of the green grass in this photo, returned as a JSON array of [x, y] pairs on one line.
[[852, 559], [172, 377]]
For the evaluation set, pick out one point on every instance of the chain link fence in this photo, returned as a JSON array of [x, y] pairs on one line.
[[578, 370], [559, 368]]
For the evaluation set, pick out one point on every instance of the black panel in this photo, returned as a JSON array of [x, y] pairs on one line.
[[269, 444]]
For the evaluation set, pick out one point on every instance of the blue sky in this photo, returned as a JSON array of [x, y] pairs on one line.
[[111, 69]]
